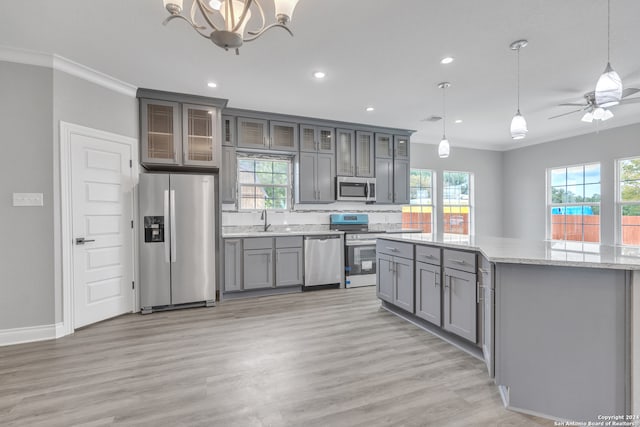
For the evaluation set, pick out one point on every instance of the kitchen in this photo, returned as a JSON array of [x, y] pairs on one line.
[[509, 191]]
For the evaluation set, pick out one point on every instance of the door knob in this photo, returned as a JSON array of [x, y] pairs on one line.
[[82, 240]]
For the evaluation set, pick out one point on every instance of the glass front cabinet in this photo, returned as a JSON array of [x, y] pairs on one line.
[[179, 134]]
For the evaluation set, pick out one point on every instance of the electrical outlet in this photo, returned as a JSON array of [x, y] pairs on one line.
[[28, 199]]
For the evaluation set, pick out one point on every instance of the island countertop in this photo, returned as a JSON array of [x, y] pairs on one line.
[[537, 252]]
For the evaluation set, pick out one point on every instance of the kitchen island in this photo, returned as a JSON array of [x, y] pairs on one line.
[[557, 322]]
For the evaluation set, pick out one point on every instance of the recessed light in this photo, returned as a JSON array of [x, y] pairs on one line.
[[319, 74], [212, 84], [458, 121], [446, 60], [369, 109]]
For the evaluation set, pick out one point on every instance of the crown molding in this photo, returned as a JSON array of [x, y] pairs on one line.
[[62, 64]]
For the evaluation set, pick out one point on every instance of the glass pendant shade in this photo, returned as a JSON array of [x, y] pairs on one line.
[[284, 9], [443, 148], [518, 126], [238, 7], [608, 88], [215, 4], [173, 6]]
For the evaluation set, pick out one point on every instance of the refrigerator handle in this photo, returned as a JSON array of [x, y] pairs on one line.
[[172, 214], [166, 216]]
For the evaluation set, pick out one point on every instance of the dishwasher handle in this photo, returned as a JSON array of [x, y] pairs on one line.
[[321, 238]]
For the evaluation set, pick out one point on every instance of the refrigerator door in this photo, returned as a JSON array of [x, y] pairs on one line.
[[192, 206], [155, 276]]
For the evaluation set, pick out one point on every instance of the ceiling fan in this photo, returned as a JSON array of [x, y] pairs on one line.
[[593, 111]]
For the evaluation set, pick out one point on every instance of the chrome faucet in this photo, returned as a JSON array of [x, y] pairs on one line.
[[264, 216]]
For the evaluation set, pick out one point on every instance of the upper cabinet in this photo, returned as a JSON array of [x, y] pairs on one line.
[[384, 146], [179, 130], [401, 147], [365, 161], [265, 134], [229, 131], [316, 139], [355, 153]]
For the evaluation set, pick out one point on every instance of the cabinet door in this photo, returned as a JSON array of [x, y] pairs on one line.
[[307, 178], [404, 284], [252, 133], [428, 293], [232, 265], [258, 268], [308, 139], [326, 141], [198, 135], [326, 178], [460, 303], [384, 146], [401, 147], [385, 278], [401, 181], [487, 298], [229, 131], [228, 174], [346, 150], [284, 136], [161, 132], [384, 180], [365, 154], [288, 266]]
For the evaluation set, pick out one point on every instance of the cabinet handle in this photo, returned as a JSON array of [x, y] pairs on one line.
[[483, 271], [445, 281], [264, 141], [356, 170], [435, 282], [458, 261], [391, 249], [478, 291], [317, 145], [427, 256]]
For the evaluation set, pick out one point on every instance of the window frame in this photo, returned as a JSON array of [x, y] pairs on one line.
[[549, 205], [265, 157], [433, 204], [620, 204], [470, 205]]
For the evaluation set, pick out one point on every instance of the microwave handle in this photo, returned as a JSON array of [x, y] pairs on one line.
[[366, 191]]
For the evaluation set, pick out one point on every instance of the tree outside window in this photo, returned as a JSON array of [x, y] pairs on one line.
[[419, 213], [629, 201], [264, 183], [456, 203]]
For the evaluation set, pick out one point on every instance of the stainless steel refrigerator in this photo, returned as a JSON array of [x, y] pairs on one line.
[[177, 240]]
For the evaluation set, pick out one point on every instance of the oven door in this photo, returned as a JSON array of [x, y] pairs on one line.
[[361, 258]]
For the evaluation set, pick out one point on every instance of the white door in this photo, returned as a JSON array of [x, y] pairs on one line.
[[102, 211]]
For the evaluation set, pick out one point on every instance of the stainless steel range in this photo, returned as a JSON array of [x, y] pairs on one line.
[[360, 248]]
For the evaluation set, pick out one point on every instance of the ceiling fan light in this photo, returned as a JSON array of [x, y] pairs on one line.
[[607, 115], [518, 126], [598, 113], [608, 88], [443, 148], [284, 10], [588, 117]]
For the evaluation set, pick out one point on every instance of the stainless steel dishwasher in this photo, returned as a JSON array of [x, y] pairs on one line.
[[322, 260]]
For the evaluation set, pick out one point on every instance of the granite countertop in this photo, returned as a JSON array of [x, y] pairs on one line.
[[281, 233], [516, 251]]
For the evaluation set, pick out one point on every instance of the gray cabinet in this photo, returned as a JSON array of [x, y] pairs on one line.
[[252, 133], [487, 312], [316, 177], [384, 180], [401, 173], [179, 134], [365, 160], [232, 265], [428, 293], [395, 280], [384, 146], [228, 174], [228, 131], [401, 146], [258, 263], [345, 152], [289, 261], [284, 136], [460, 293], [317, 139]]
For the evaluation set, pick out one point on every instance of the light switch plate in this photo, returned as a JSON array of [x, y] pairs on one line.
[[28, 199]]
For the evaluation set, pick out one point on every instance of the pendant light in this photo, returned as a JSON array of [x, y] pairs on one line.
[[444, 148], [518, 123], [609, 86]]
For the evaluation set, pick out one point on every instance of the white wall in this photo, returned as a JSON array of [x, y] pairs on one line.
[[524, 178], [486, 167]]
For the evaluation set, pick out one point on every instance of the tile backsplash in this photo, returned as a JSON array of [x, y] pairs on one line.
[[309, 217]]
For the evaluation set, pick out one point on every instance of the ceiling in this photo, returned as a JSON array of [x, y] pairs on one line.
[[383, 54]]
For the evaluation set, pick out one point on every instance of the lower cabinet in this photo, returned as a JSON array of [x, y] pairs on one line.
[[459, 303], [487, 310], [428, 292], [403, 287], [262, 262], [385, 279], [394, 270]]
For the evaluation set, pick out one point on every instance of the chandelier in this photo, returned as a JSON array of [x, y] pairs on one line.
[[223, 21]]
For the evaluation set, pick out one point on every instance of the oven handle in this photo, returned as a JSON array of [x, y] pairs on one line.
[[361, 243]]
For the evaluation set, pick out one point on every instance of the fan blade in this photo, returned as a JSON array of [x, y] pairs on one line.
[[630, 101], [566, 114], [629, 91], [572, 104]]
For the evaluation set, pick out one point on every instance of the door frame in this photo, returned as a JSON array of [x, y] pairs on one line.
[[66, 211]]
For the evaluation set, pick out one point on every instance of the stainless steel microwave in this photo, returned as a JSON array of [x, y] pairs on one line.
[[356, 189]]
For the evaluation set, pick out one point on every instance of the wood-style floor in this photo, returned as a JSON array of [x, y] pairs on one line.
[[322, 358]]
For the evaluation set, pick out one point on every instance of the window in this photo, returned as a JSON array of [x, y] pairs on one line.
[[573, 203], [419, 213], [456, 203], [629, 201], [264, 183]]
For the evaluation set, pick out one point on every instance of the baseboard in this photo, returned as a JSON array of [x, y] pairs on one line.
[[30, 334]]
